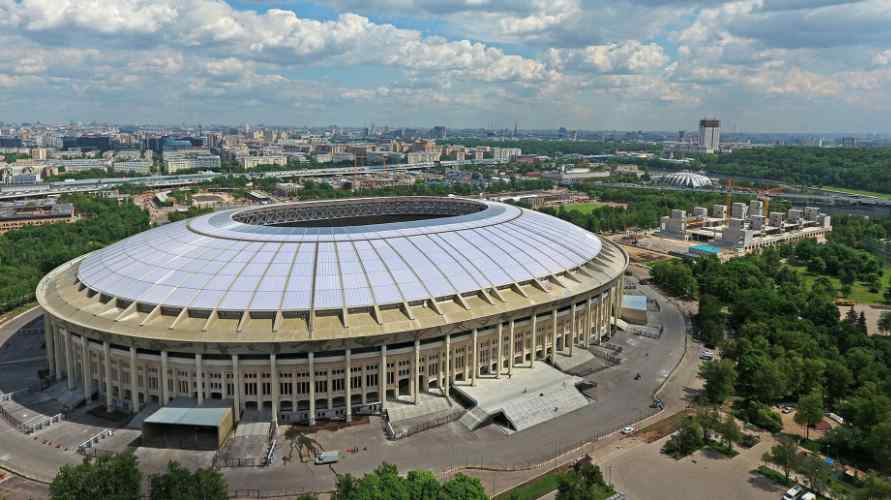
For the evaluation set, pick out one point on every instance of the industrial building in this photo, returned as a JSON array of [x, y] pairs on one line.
[[322, 310], [745, 228]]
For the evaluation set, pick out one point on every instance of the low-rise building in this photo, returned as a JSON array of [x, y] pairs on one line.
[[34, 213], [176, 163], [143, 167], [251, 162]]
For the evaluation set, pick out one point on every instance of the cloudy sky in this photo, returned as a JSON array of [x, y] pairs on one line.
[[759, 65]]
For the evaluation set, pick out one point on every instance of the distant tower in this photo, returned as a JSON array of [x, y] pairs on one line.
[[710, 134], [516, 128]]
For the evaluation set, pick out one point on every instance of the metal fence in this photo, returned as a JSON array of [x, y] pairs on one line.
[[39, 422]]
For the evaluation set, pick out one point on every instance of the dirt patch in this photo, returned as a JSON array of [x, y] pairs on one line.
[[664, 427], [816, 432], [872, 316]]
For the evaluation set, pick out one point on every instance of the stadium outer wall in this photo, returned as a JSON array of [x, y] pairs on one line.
[[129, 357]]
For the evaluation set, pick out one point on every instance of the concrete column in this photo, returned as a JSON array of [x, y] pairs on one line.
[[587, 323], [448, 369], [574, 325], [50, 345], [199, 378], [85, 367], [534, 323], [476, 357], [500, 359], [276, 392], [59, 347], [415, 363], [382, 376], [513, 349], [364, 384], [106, 354], [69, 365], [312, 389], [554, 335], [348, 385], [525, 351], [134, 397], [165, 380], [236, 383]]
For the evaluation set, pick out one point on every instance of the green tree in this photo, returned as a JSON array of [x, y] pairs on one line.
[[885, 321], [817, 472], [584, 482], [462, 487], [729, 431], [385, 483], [183, 484], [689, 438], [874, 488], [784, 455], [810, 410], [720, 377], [116, 478]]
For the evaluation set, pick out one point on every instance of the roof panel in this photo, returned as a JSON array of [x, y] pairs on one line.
[[211, 258]]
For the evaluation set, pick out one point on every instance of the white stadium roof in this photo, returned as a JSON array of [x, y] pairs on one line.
[[220, 262], [687, 179]]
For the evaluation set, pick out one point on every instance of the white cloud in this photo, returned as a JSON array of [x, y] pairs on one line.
[[628, 57]]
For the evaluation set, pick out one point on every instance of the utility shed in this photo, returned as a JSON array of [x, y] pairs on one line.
[[187, 428], [634, 309]]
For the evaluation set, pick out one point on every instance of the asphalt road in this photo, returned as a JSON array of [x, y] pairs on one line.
[[619, 399]]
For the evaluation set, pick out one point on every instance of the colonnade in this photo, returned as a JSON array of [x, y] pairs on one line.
[[306, 386]]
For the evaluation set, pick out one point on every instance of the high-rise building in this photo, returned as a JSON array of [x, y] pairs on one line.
[[710, 135]]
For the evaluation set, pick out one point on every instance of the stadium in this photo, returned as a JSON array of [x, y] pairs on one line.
[[323, 310]]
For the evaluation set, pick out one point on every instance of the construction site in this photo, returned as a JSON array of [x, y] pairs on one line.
[[733, 229]]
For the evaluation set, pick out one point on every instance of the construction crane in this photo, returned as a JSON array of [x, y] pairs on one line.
[[764, 196]]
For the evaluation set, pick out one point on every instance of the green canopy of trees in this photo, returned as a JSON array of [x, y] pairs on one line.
[[118, 477], [857, 168], [385, 483], [788, 343], [29, 253]]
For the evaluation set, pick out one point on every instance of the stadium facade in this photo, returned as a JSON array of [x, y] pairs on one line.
[[326, 309]]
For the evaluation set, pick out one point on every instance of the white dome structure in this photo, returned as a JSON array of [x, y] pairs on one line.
[[687, 179]]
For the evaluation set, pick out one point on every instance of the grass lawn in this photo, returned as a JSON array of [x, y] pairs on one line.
[[859, 292], [585, 207], [533, 489], [856, 191], [542, 486]]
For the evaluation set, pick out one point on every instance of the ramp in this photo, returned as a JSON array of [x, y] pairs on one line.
[[530, 397]]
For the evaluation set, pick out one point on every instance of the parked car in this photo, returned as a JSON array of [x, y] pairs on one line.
[[788, 409], [793, 492], [628, 429], [706, 355], [808, 496], [327, 457]]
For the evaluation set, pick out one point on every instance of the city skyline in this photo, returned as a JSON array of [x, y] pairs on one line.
[[761, 65]]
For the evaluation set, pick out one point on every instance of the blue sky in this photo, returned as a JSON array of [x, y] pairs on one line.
[[759, 65]]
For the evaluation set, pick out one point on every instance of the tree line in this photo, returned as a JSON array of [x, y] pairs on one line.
[[782, 341], [857, 168], [27, 254]]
